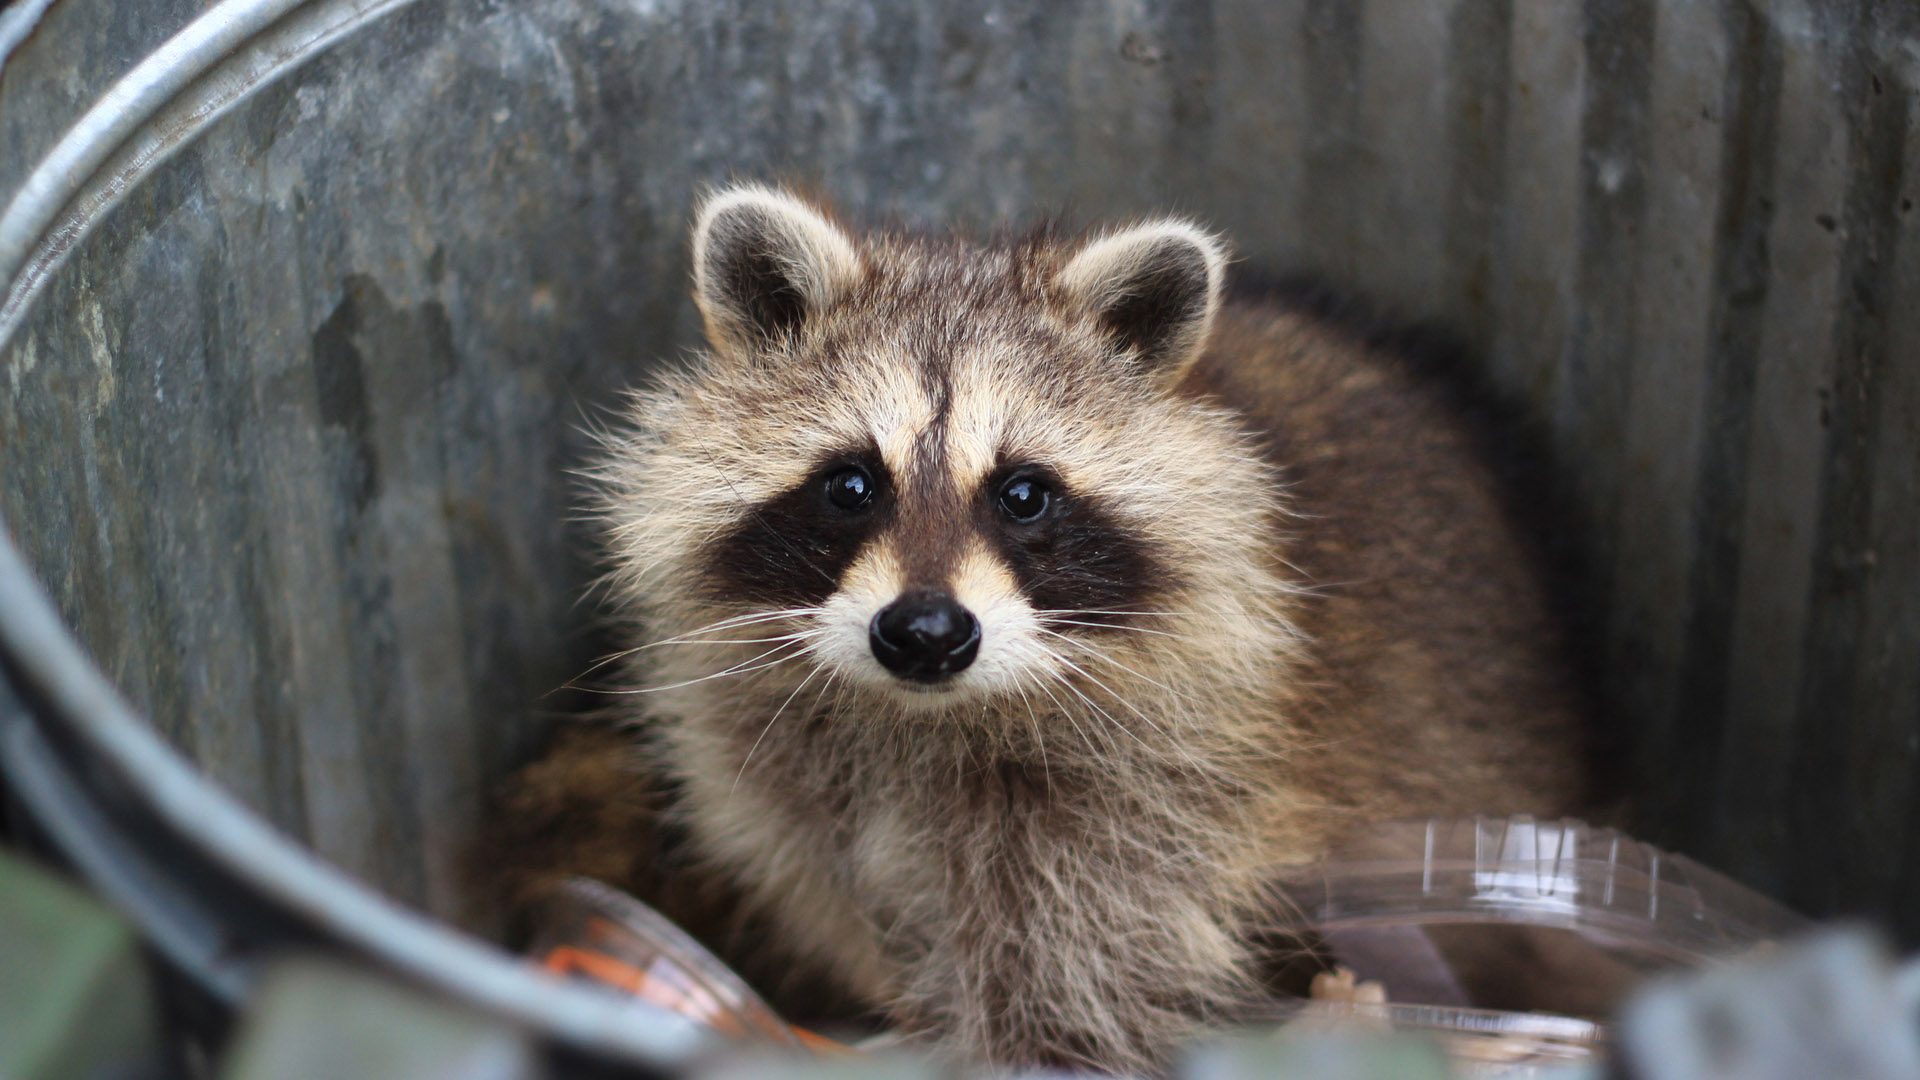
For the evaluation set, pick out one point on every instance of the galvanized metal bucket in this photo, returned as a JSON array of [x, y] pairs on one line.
[[306, 301]]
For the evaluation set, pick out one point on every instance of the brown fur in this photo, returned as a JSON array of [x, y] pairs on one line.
[[1438, 682], [1322, 618]]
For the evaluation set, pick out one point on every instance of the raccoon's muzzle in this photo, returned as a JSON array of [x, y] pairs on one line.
[[924, 636]]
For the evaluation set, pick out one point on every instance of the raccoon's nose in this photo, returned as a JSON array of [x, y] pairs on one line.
[[924, 636]]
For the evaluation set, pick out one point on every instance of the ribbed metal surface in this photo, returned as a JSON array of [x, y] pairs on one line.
[[286, 436], [56, 56]]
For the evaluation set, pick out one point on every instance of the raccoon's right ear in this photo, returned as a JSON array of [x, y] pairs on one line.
[[763, 262]]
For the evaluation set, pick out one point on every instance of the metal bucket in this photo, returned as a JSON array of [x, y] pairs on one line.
[[303, 311]]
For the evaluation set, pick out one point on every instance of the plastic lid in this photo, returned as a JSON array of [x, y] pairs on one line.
[[1567, 874], [597, 933], [1398, 904]]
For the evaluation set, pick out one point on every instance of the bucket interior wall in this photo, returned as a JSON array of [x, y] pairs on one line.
[[287, 437]]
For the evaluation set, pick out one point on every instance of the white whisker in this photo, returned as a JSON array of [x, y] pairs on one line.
[[1084, 673], [795, 636], [1094, 611], [1039, 739], [1110, 626], [1091, 704], [736, 621], [741, 668], [1067, 714], [1100, 654], [745, 761], [691, 636]]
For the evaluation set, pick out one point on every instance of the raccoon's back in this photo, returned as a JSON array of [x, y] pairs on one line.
[[1439, 680]]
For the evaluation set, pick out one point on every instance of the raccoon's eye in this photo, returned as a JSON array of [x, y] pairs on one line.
[[1024, 498], [850, 488]]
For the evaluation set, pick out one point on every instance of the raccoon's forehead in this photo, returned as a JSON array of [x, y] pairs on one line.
[[946, 417]]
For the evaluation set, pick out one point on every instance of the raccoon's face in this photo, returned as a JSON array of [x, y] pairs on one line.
[[938, 474]]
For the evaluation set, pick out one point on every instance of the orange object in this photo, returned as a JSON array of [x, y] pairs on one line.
[[592, 931], [672, 994]]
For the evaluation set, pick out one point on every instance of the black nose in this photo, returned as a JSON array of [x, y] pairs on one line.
[[924, 636]]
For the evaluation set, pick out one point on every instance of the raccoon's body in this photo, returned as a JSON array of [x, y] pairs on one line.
[[1004, 614]]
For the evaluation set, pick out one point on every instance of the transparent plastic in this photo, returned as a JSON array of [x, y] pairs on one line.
[[599, 934], [1566, 874], [1507, 940], [1479, 1043], [1551, 921]]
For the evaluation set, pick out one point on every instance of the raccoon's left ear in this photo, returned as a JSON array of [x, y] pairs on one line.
[[764, 262], [1153, 286]]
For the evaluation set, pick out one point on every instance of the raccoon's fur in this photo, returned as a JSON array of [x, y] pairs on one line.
[[1236, 585]]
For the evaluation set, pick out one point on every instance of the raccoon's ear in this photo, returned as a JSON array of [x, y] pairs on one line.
[[1154, 286], [763, 262]]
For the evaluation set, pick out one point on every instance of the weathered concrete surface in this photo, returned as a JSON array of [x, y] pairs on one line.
[[288, 436]]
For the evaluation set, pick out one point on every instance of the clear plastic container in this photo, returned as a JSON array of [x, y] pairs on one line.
[[1479, 1043], [1513, 871], [1510, 939], [1507, 940], [596, 933]]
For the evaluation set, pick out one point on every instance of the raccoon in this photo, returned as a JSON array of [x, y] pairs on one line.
[[1005, 614]]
